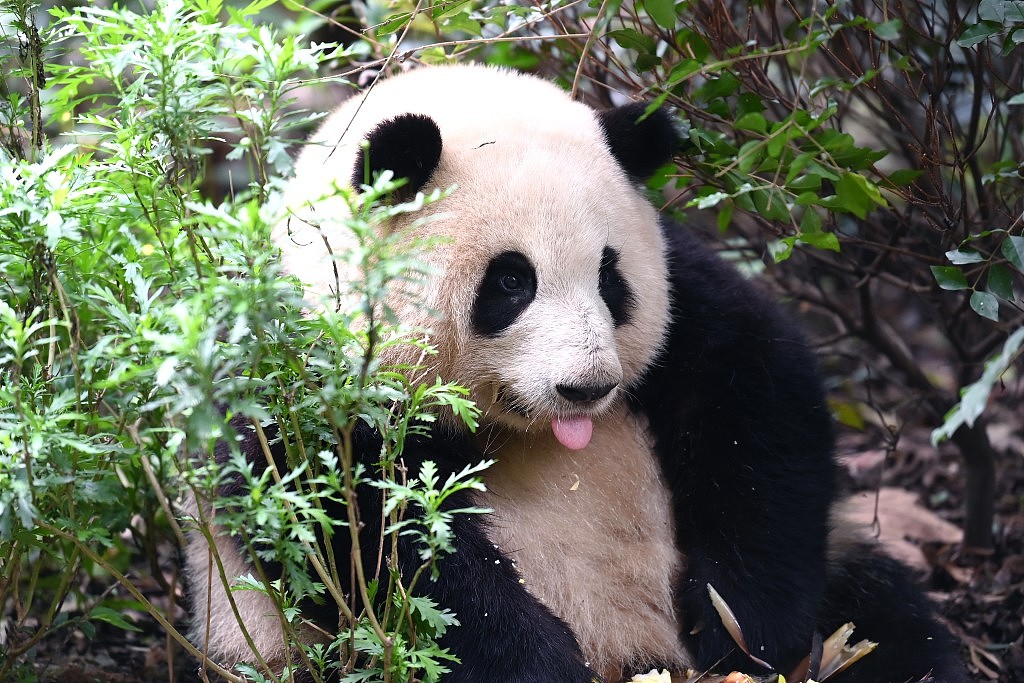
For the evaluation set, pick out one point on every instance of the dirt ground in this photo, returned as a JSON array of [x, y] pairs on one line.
[[920, 498]]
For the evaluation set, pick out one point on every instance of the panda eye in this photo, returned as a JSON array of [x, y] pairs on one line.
[[511, 282], [507, 288], [614, 289], [608, 277]]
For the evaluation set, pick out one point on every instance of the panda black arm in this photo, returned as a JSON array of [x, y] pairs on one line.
[[741, 427], [505, 634]]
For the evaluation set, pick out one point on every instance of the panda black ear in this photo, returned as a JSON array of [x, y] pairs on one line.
[[409, 145], [640, 147]]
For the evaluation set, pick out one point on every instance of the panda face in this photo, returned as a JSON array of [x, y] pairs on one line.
[[545, 340], [556, 293], [569, 369], [551, 279]]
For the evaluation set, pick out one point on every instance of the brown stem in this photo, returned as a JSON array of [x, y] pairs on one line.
[[979, 506]]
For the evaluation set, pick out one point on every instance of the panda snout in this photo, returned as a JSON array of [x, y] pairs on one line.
[[585, 393]]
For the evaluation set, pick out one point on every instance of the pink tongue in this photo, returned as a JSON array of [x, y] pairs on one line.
[[573, 432]]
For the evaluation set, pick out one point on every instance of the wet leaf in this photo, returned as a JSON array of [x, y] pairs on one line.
[[985, 304], [961, 257], [1013, 251], [950, 278], [1000, 282]]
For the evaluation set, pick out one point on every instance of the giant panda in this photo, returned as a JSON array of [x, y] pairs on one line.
[[657, 422]]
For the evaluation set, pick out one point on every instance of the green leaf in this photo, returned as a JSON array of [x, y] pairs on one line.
[[782, 249], [949, 278], [961, 257], [633, 40], [888, 30], [393, 23], [724, 217], [810, 223], [821, 240], [1000, 282], [871, 190], [770, 203], [999, 10], [748, 102], [646, 61], [991, 10], [1013, 251], [904, 176], [432, 620], [750, 155], [256, 6], [1019, 97], [985, 304], [113, 617], [662, 11], [974, 397], [210, 8], [812, 234], [88, 628], [807, 199], [851, 195], [847, 414], [683, 70], [979, 33], [722, 84], [462, 22], [753, 121], [798, 164]]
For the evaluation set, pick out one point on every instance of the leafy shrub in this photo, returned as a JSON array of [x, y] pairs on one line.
[[138, 316]]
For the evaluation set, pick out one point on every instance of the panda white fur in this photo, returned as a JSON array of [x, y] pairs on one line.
[[657, 422]]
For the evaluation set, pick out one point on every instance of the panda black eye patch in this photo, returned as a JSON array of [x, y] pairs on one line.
[[617, 295], [506, 290]]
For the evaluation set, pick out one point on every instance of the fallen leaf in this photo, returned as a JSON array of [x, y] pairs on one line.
[[732, 625], [837, 654], [903, 523]]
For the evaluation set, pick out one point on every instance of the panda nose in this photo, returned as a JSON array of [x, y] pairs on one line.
[[584, 393]]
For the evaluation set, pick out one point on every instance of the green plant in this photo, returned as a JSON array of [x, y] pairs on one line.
[[138, 315]]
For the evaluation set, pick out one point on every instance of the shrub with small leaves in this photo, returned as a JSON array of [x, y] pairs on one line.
[[138, 315]]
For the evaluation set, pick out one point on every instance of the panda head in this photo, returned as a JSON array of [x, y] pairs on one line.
[[550, 278]]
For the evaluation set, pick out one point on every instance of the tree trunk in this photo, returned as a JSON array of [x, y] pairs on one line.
[[979, 506]]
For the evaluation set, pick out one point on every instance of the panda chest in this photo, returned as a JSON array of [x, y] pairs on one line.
[[592, 535]]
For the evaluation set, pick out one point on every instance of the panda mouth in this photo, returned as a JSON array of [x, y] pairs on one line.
[[573, 431], [508, 401]]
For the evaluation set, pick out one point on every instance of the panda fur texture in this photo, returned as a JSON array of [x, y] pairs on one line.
[[657, 421]]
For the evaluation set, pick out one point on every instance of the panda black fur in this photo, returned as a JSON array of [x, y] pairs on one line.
[[658, 423]]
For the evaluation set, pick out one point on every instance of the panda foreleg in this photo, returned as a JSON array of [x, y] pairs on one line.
[[771, 578], [505, 635]]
